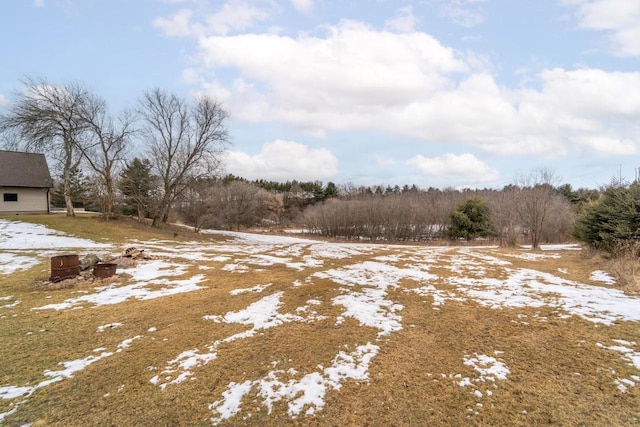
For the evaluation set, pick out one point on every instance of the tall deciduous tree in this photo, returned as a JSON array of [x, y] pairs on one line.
[[106, 149], [535, 201], [185, 141], [51, 119]]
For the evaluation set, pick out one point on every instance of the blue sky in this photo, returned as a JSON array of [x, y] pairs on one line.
[[428, 92]]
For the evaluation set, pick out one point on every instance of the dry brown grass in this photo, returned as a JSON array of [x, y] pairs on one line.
[[559, 376]]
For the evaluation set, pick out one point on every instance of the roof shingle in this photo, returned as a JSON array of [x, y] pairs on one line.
[[18, 169]]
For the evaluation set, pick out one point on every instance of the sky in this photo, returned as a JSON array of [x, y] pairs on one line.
[[436, 93]]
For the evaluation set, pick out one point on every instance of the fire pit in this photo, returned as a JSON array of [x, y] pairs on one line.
[[64, 267], [104, 270]]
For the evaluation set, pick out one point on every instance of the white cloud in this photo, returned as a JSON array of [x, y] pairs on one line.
[[619, 18], [235, 15], [3, 100], [457, 168], [284, 160], [38, 3], [357, 78], [232, 16], [179, 25], [404, 22], [305, 6], [315, 82]]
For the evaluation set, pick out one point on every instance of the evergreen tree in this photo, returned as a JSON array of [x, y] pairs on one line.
[[136, 183], [79, 190], [331, 190], [470, 219], [612, 224]]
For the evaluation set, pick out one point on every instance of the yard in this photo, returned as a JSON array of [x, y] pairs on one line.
[[228, 328]]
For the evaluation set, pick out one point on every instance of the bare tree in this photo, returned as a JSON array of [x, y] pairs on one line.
[[106, 150], [51, 119], [241, 204], [505, 216], [535, 201], [184, 142], [198, 204]]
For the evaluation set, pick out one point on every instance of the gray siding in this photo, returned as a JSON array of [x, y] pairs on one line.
[[30, 200]]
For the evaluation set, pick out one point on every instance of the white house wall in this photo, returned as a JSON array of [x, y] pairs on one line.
[[30, 200]]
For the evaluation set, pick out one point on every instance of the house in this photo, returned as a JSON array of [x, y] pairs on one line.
[[25, 183]]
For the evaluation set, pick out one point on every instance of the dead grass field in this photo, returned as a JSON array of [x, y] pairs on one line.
[[285, 332]]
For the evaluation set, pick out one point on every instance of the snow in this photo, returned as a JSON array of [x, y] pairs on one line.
[[24, 245], [602, 277], [256, 288], [70, 368], [14, 261], [531, 288], [305, 394], [489, 367], [16, 235], [629, 355], [365, 288], [114, 325], [155, 273], [260, 315]]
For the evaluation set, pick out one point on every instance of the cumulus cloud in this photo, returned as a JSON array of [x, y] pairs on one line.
[[345, 80], [455, 168], [355, 77], [284, 160], [617, 17]]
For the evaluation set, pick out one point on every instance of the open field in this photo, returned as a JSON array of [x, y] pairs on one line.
[[240, 329]]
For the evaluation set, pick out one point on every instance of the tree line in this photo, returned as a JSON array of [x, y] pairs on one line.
[[178, 172]]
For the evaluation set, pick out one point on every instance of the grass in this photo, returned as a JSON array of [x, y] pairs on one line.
[[558, 375]]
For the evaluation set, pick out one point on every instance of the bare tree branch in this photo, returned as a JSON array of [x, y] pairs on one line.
[[184, 142]]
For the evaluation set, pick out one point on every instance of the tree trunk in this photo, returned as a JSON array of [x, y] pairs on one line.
[[67, 187], [108, 205], [140, 212]]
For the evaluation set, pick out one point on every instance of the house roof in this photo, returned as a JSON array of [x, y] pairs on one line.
[[19, 169]]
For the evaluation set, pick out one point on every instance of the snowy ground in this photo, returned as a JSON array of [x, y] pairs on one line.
[[364, 295]]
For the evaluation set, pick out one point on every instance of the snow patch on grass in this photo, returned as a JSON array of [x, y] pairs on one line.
[[70, 368], [256, 289], [602, 277], [304, 395], [21, 235], [629, 355]]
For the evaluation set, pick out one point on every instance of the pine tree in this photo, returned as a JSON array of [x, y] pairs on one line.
[[613, 224], [470, 219], [136, 183]]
